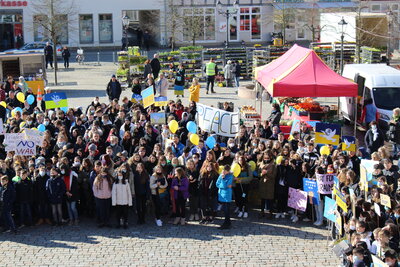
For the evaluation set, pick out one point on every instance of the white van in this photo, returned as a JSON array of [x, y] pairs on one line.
[[378, 82]]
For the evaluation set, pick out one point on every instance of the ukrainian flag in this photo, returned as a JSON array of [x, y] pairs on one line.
[[137, 99], [349, 143], [327, 133], [148, 97], [56, 100], [160, 101]]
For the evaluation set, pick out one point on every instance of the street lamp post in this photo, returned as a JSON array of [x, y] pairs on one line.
[[389, 20], [342, 23], [125, 24], [227, 13]]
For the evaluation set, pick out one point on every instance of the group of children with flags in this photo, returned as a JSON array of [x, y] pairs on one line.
[[112, 162]]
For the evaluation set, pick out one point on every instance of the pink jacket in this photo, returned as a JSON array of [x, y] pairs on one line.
[[104, 190]]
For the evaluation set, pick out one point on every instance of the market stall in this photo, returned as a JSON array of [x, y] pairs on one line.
[[298, 76], [29, 65]]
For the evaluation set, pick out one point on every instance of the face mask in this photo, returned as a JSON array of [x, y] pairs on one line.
[[355, 258], [120, 177], [254, 144], [174, 165], [60, 144], [124, 171], [62, 172], [45, 123], [42, 173], [373, 127], [352, 227], [159, 173], [76, 164], [397, 215], [96, 102], [29, 122], [112, 144], [380, 184], [163, 164], [231, 144]]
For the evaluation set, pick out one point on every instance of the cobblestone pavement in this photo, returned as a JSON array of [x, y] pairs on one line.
[[251, 242]]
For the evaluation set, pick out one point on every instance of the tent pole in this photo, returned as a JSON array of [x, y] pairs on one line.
[[261, 111], [355, 116]]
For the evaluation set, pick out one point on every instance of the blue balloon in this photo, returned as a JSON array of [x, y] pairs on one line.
[[211, 142], [191, 126], [18, 109], [41, 128], [30, 99], [64, 109]]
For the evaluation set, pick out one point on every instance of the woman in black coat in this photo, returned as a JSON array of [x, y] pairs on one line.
[[374, 138]]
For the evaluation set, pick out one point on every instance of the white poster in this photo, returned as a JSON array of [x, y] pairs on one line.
[[222, 27], [1, 127], [35, 136], [217, 120], [11, 140], [25, 148]]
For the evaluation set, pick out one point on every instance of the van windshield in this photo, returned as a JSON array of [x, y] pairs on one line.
[[387, 98]]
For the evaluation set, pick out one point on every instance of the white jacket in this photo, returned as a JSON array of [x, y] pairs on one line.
[[121, 194], [154, 186]]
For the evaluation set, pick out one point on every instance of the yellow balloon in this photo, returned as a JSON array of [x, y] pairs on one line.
[[194, 139], [252, 166], [13, 113], [221, 169], [324, 150], [279, 160], [173, 126], [34, 128], [2, 103], [21, 97], [22, 124], [236, 169]]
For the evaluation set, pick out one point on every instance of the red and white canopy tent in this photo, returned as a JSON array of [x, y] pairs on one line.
[[300, 72]]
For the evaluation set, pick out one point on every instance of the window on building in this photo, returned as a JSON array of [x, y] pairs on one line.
[[39, 32], [376, 8], [199, 23], [105, 28], [250, 20], [301, 33], [62, 29], [86, 29]]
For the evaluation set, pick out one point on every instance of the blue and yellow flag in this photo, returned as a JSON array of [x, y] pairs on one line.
[[137, 99], [349, 143], [148, 97], [327, 133], [56, 100], [160, 101]]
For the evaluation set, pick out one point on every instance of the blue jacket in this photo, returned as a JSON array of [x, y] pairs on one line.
[[7, 196], [225, 192], [55, 190], [178, 149]]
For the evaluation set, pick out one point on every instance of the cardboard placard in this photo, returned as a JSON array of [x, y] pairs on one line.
[[385, 201]]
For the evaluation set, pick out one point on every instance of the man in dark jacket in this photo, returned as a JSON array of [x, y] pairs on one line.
[[48, 53], [55, 188], [40, 195], [237, 73], [7, 198], [374, 138], [66, 55], [275, 116], [24, 190], [155, 66], [114, 89]]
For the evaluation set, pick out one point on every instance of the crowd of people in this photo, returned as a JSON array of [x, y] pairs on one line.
[[100, 161]]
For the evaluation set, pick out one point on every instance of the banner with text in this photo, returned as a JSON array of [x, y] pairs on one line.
[[325, 183], [217, 120]]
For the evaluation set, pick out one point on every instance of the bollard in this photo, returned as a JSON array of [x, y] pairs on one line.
[[98, 58], [113, 53]]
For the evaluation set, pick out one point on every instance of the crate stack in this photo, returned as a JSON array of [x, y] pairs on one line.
[[370, 55], [123, 71], [136, 62], [191, 59], [238, 54], [349, 53], [260, 58]]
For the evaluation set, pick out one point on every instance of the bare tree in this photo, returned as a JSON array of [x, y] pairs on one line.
[[282, 18], [175, 22], [193, 24], [55, 17]]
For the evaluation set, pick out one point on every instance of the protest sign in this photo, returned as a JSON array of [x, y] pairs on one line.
[[327, 133], [363, 178], [158, 118], [12, 139], [160, 101], [35, 136], [137, 99], [349, 143], [329, 209], [295, 127], [297, 199], [25, 148], [217, 120], [148, 97], [311, 188], [339, 224], [377, 209], [325, 183], [385, 200], [1, 127], [378, 262], [341, 201], [56, 100]]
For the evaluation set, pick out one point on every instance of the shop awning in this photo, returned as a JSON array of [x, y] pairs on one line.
[[301, 73]]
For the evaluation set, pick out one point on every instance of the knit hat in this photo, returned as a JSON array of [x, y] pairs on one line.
[[92, 147]]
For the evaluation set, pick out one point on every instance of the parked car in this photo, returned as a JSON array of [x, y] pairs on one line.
[[35, 47]]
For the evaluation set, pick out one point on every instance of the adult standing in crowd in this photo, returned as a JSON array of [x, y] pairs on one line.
[[162, 85], [114, 89], [228, 73], [211, 70], [179, 81], [394, 132], [155, 66], [48, 54]]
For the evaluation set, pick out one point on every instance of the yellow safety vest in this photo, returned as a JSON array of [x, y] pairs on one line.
[[210, 69]]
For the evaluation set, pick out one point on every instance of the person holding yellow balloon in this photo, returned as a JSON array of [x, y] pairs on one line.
[[13, 102], [244, 175]]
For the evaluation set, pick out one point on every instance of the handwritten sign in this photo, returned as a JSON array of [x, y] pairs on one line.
[[341, 201], [363, 178], [25, 148], [385, 201], [11, 140], [325, 183], [221, 122], [35, 136], [157, 118], [311, 187], [297, 199]]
